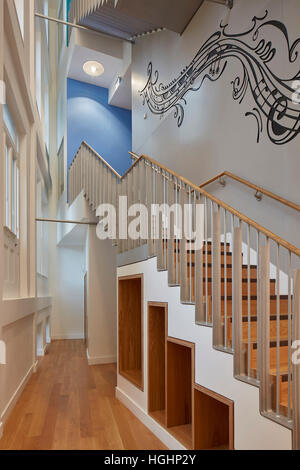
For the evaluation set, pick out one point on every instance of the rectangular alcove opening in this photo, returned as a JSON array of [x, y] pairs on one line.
[[130, 298], [179, 409], [157, 326], [213, 420]]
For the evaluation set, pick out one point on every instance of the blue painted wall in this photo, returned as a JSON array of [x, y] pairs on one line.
[[106, 128]]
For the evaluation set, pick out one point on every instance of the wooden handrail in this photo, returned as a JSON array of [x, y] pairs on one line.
[[212, 180], [102, 159], [231, 210], [134, 155], [280, 199]]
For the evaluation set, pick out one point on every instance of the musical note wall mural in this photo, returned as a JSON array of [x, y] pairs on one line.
[[274, 108]]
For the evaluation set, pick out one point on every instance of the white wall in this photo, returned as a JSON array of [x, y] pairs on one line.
[[19, 342], [102, 299], [67, 291], [214, 369], [215, 135]]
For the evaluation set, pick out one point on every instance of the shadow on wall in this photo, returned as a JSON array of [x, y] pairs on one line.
[[108, 129]]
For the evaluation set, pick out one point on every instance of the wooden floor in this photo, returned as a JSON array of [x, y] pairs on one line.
[[70, 405]]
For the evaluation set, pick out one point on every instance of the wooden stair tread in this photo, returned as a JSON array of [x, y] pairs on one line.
[[272, 340], [253, 318], [230, 265], [229, 279], [283, 370], [254, 297], [284, 403], [191, 251]]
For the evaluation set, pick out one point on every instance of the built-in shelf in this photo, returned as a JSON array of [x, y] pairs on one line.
[[130, 306], [197, 417], [213, 420], [179, 383], [157, 331]]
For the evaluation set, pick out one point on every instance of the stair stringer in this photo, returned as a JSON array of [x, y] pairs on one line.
[[213, 369]]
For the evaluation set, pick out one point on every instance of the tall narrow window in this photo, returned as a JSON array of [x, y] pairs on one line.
[[18, 202], [19, 4], [7, 188], [13, 196], [46, 111], [61, 31], [38, 66], [9, 123], [60, 168], [46, 13], [12, 174]]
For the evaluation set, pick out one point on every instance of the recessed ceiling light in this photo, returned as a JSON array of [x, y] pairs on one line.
[[93, 68]]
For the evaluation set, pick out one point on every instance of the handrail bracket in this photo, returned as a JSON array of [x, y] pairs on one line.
[[258, 196], [222, 181]]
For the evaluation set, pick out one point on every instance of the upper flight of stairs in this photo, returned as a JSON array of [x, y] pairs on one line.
[[252, 316]]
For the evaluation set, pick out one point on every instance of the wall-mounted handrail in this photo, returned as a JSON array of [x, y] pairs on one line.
[[230, 209], [215, 200], [259, 189]]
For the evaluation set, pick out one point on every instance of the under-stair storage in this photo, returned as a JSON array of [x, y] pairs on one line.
[[179, 382], [197, 417], [157, 331], [213, 420], [130, 298]]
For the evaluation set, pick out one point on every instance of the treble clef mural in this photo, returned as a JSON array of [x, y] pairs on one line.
[[274, 107]]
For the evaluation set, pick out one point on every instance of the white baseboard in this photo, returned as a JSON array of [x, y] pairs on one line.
[[7, 410], [93, 361], [162, 434], [67, 336]]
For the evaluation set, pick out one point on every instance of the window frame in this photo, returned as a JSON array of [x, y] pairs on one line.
[[12, 184], [21, 17], [60, 169]]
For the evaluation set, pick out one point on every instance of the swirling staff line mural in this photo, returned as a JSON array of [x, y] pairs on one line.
[[274, 107]]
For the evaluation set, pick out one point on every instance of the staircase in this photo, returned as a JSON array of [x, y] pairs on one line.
[[244, 282]]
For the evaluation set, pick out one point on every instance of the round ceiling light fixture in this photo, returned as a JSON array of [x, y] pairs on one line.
[[93, 68]]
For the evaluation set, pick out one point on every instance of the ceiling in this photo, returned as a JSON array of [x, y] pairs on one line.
[[112, 66], [129, 18], [133, 17]]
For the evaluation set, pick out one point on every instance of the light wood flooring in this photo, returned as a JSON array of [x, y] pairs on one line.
[[69, 405]]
